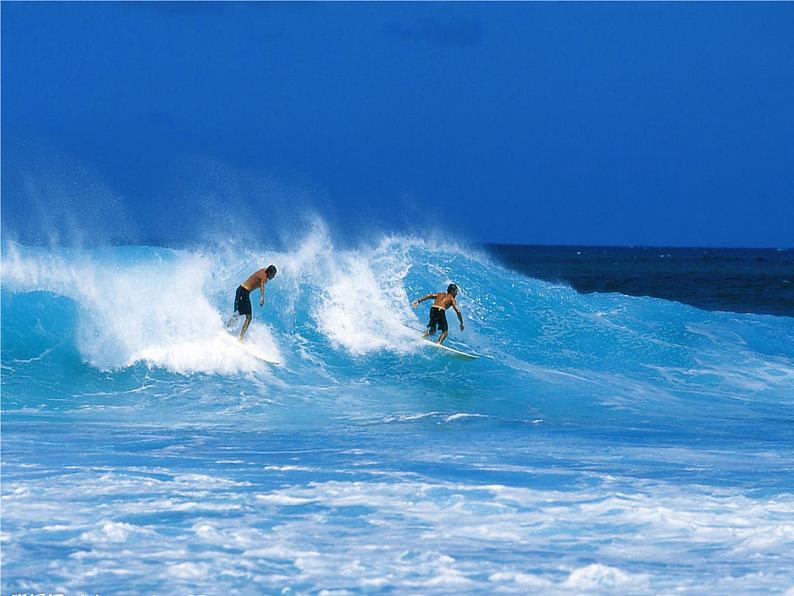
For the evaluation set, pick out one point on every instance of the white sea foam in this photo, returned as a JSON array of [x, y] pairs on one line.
[[462, 416], [192, 571], [166, 308], [109, 531], [597, 577], [342, 535], [362, 305], [154, 312], [282, 500]]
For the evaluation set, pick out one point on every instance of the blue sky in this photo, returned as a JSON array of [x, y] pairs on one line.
[[537, 123]]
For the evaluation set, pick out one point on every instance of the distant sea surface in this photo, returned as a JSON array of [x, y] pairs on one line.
[[729, 279]]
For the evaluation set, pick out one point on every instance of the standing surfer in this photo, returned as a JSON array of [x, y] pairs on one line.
[[242, 300], [438, 312]]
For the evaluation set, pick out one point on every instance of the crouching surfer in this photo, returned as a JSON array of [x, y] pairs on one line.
[[438, 312], [242, 300]]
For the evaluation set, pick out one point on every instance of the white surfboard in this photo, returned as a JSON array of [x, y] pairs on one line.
[[253, 352], [249, 349], [452, 351]]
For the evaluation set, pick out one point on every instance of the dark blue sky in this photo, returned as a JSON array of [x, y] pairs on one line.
[[608, 123]]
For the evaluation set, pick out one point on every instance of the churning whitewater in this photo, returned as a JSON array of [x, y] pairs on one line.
[[601, 442]]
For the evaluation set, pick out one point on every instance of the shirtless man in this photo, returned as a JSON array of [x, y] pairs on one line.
[[438, 312], [242, 302]]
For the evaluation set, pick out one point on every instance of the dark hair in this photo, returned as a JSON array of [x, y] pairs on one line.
[[452, 289], [271, 271]]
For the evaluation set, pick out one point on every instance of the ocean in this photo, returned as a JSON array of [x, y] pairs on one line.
[[628, 428], [744, 280]]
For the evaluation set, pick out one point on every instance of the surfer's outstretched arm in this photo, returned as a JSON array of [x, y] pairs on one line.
[[262, 287], [416, 302], [457, 312]]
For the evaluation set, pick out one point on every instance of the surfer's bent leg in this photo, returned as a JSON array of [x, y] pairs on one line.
[[242, 304], [245, 327], [442, 324], [431, 324]]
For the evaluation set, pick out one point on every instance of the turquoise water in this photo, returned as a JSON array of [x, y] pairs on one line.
[[602, 443]]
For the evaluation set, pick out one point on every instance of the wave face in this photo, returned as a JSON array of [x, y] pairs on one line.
[[599, 443]]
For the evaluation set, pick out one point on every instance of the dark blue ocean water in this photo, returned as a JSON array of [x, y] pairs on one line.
[[736, 279], [634, 436]]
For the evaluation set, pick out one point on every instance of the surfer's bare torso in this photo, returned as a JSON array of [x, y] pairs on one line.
[[444, 300], [256, 280]]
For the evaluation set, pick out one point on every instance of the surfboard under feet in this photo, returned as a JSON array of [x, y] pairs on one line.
[[452, 351]]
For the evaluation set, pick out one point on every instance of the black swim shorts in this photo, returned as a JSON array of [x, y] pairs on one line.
[[438, 317], [242, 301]]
